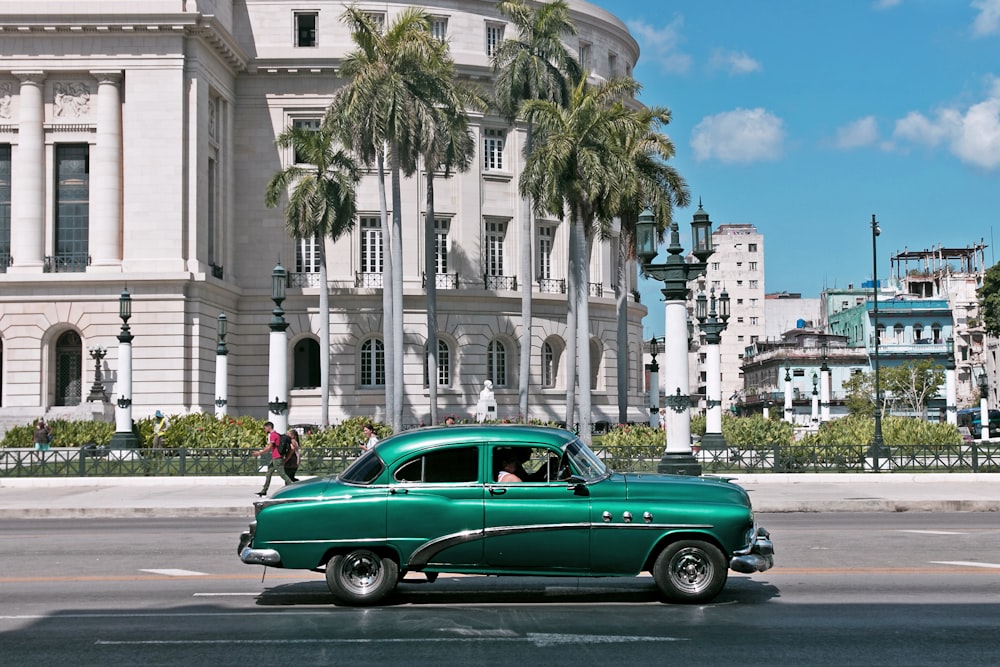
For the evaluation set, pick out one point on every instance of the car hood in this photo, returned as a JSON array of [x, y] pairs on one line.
[[311, 488], [684, 488]]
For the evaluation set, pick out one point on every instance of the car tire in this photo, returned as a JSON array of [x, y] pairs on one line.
[[690, 571], [361, 577]]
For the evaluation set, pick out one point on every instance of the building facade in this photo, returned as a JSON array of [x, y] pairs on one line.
[[136, 139]]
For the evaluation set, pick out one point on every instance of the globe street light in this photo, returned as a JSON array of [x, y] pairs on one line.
[[713, 322], [124, 437], [675, 273]]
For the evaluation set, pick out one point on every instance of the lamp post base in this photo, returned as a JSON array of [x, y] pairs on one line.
[[123, 440], [679, 464], [713, 441]]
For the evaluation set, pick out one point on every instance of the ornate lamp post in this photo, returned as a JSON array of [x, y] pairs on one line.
[[97, 392], [878, 447], [713, 322], [124, 437], [277, 375], [675, 274], [815, 399], [950, 389], [789, 412], [654, 383], [221, 368]]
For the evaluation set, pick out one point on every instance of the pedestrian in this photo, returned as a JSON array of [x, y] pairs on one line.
[[43, 434], [160, 426], [370, 438], [293, 458], [276, 463], [449, 420]]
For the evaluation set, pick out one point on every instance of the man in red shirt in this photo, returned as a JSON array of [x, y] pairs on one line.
[[276, 464]]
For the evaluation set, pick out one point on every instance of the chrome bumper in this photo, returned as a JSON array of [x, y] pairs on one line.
[[758, 557], [252, 556]]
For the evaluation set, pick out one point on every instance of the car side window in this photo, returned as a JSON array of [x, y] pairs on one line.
[[443, 466], [534, 464]]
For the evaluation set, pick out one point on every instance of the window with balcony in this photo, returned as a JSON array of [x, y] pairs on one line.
[[72, 209], [372, 258], [305, 28], [496, 234], [306, 263]]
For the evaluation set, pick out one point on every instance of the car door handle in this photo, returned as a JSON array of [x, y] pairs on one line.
[[497, 492], [402, 491]]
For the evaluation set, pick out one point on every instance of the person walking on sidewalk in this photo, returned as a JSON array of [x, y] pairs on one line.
[[293, 458], [276, 463], [42, 435]]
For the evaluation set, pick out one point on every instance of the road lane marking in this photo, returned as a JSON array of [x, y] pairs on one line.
[[967, 563], [538, 639], [168, 572], [934, 532]]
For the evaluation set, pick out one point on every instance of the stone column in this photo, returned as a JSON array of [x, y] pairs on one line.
[[27, 220], [106, 176], [824, 394]]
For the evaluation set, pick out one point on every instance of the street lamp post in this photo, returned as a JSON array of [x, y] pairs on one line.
[[824, 387], [789, 412], [713, 322], [654, 384], [124, 437], [815, 399], [97, 392], [878, 447], [984, 412], [950, 389], [221, 368], [675, 273], [277, 375]]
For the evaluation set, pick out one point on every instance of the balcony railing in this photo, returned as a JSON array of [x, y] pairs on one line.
[[303, 279], [500, 282], [362, 279], [441, 280], [552, 285], [69, 262], [217, 271]]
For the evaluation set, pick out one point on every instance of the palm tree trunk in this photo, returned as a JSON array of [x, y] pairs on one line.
[[430, 270], [324, 338], [585, 386], [388, 349], [396, 252], [527, 270], [621, 315], [571, 334]]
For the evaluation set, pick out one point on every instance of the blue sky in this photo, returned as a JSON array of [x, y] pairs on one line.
[[805, 117]]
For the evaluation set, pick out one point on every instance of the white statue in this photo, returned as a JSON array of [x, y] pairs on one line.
[[486, 408]]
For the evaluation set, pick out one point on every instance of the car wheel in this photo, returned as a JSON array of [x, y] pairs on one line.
[[361, 577], [690, 571]]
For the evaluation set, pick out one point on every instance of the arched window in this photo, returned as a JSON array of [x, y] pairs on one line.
[[69, 369], [372, 363], [595, 363], [918, 332], [443, 365], [897, 333], [496, 360], [305, 364], [548, 365]]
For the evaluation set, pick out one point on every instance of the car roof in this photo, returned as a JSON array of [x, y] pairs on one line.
[[471, 434]]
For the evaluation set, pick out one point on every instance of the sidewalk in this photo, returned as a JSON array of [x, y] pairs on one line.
[[121, 497]]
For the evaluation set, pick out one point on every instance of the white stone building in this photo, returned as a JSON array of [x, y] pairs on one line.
[[136, 138]]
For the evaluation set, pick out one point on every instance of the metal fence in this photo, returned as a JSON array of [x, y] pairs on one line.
[[104, 462]]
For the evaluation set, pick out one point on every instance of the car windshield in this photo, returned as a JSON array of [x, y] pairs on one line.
[[365, 470], [584, 462]]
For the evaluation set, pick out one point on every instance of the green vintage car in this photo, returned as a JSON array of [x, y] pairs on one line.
[[515, 500]]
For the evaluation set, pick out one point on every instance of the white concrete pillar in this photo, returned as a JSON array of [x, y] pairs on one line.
[[106, 176], [221, 385], [277, 380], [27, 208], [951, 397], [713, 389], [824, 395], [654, 397], [676, 378], [123, 406], [789, 414], [984, 419], [815, 406]]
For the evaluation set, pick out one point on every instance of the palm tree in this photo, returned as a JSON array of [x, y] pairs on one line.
[[659, 187], [386, 102], [535, 65], [581, 165], [322, 204]]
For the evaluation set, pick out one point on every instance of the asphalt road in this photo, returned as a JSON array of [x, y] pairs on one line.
[[847, 589]]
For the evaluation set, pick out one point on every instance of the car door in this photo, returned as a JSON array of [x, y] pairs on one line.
[[435, 508], [539, 524]]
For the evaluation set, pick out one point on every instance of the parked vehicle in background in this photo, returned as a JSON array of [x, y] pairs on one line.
[[972, 419], [430, 500]]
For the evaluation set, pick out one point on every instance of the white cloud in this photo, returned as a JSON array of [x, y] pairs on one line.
[[972, 135], [734, 63], [987, 21], [739, 136], [862, 132], [886, 4], [662, 45]]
